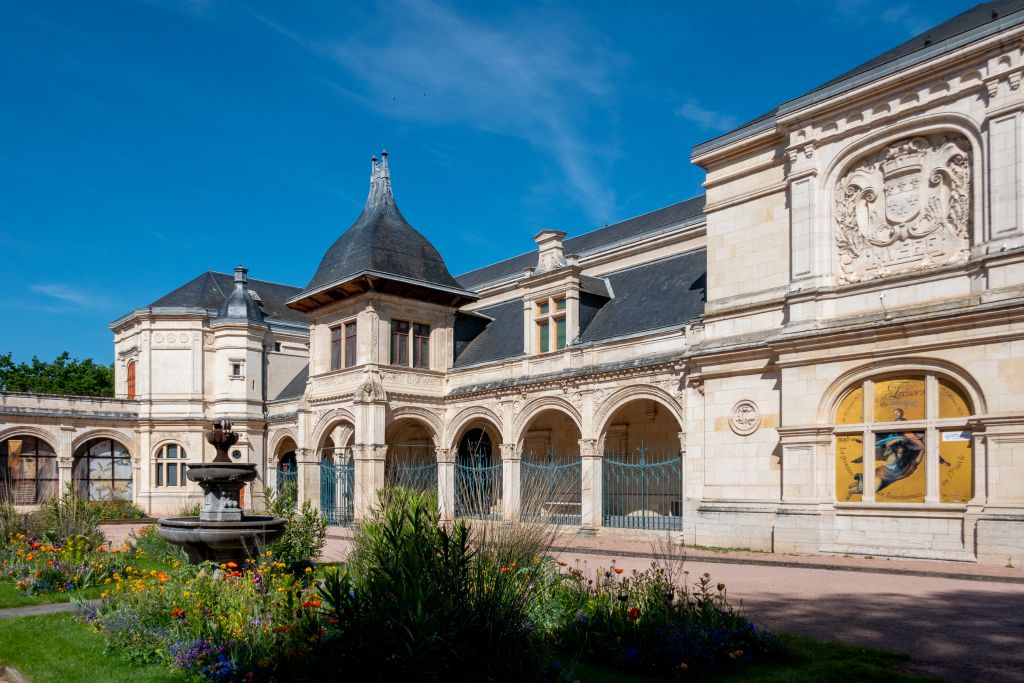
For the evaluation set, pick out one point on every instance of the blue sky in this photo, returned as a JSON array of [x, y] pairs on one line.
[[144, 142]]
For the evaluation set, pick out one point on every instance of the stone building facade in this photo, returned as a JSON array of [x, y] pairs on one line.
[[825, 353]]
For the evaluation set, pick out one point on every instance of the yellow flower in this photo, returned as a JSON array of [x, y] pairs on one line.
[[309, 569]]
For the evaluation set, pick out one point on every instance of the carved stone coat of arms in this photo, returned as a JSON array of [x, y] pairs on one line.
[[904, 208]]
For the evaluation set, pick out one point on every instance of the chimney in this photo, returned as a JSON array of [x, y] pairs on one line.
[[549, 250]]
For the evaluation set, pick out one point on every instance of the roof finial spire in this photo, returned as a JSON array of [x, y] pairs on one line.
[[241, 274], [380, 178]]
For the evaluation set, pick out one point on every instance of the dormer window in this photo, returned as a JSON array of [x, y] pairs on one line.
[[549, 315], [410, 341]]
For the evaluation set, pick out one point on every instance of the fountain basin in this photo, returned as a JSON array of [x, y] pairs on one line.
[[221, 541]]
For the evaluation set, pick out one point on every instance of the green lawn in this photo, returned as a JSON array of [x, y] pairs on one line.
[[56, 648], [12, 597], [807, 660]]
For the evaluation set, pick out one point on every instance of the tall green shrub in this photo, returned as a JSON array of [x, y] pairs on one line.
[[305, 529], [70, 515]]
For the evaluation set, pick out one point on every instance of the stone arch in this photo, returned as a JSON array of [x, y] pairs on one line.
[[848, 380], [539, 405], [422, 415], [52, 439], [278, 439], [126, 440], [328, 422], [634, 393], [466, 418]]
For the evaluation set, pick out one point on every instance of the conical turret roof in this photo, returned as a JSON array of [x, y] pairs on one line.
[[381, 252]]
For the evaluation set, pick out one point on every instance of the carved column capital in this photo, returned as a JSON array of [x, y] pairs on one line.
[[445, 455], [589, 448], [509, 452]]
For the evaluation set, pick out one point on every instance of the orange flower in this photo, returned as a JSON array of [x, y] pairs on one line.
[[162, 577], [618, 570], [503, 569], [312, 603], [562, 564], [633, 613], [232, 565], [177, 613]]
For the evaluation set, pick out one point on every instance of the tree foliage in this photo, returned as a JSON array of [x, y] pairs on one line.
[[63, 375]]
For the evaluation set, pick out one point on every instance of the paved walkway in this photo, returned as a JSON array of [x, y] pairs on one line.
[[33, 610], [958, 621]]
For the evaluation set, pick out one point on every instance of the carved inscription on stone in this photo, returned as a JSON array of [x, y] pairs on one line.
[[906, 207]]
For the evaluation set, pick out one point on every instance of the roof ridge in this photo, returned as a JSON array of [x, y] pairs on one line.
[[251, 280]]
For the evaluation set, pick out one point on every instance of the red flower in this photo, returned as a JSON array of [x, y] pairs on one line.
[[618, 570], [178, 613], [562, 564], [312, 603], [633, 613]]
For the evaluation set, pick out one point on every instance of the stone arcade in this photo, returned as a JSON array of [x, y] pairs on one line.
[[823, 354]]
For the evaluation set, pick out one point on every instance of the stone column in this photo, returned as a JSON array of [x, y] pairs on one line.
[[369, 475], [65, 458], [308, 476], [446, 483], [510, 482], [592, 515]]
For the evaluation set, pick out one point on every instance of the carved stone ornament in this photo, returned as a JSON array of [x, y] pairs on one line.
[[904, 208], [745, 417], [372, 389]]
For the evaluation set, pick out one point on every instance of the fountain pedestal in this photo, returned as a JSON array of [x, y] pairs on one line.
[[222, 532]]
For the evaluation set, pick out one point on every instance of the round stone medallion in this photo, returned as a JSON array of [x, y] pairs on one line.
[[745, 417]]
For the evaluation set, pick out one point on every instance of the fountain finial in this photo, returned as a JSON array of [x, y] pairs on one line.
[[222, 438]]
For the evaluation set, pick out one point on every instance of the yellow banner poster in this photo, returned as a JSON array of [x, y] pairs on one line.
[[900, 399], [849, 468], [956, 467], [952, 403], [851, 408], [899, 467]]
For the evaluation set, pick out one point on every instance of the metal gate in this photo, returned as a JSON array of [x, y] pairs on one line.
[[478, 490], [337, 488], [643, 490], [411, 466], [288, 482], [551, 491]]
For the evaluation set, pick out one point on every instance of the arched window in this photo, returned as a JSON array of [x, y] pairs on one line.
[[28, 471], [170, 465], [904, 439], [103, 470], [131, 380]]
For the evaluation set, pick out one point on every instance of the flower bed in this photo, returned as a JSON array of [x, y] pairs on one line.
[[37, 567], [221, 623]]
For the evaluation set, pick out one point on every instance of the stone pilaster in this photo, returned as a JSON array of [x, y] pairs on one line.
[[369, 475], [510, 481], [446, 483], [308, 476], [592, 516]]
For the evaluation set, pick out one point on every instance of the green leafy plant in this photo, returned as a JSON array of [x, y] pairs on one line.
[[70, 515], [112, 510], [305, 529], [147, 543]]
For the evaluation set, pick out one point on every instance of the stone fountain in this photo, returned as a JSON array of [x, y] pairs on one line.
[[221, 532]]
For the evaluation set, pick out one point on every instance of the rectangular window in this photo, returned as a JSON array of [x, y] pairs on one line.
[[956, 467], [560, 333], [544, 336], [350, 344], [172, 474], [543, 308], [236, 369], [400, 342], [421, 346], [552, 324], [336, 348], [559, 304], [900, 466], [160, 474]]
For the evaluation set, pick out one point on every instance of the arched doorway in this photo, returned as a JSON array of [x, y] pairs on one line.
[[551, 469], [287, 474], [28, 471], [411, 460], [103, 470], [478, 475], [642, 469], [337, 475]]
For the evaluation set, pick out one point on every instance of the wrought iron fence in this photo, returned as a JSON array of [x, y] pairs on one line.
[[288, 483], [478, 489], [412, 466], [551, 490], [338, 487], [643, 490]]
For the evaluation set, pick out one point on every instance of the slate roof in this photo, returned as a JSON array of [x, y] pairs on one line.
[[652, 296], [211, 289], [631, 228], [240, 304], [501, 339], [983, 19], [383, 245], [647, 297], [296, 387]]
